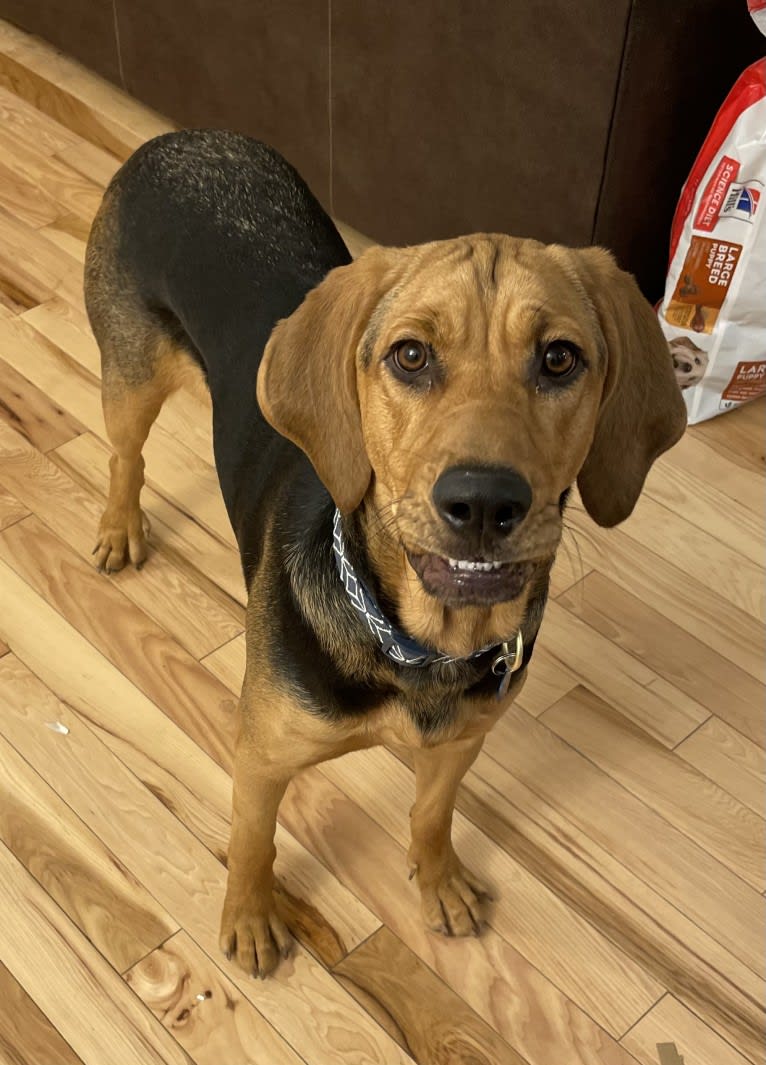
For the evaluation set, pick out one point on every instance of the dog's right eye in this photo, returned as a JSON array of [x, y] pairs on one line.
[[410, 357]]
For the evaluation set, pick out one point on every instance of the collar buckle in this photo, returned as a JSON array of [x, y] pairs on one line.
[[508, 661]]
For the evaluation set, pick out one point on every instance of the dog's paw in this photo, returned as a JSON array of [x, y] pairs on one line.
[[121, 540], [254, 934], [452, 902]]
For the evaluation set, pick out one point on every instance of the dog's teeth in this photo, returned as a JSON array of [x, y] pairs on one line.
[[465, 565]]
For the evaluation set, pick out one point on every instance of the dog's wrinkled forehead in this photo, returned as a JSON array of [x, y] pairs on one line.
[[497, 292]]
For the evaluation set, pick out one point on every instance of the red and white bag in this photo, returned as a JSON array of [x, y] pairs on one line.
[[714, 309]]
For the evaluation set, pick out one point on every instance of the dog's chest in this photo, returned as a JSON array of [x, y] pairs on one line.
[[427, 721]]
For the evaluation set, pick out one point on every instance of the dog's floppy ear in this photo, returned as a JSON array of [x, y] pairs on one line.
[[307, 377], [642, 411]]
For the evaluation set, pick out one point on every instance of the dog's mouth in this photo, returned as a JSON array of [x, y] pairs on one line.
[[471, 582]]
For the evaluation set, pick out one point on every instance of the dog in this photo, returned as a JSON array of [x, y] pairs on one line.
[[689, 361], [395, 438]]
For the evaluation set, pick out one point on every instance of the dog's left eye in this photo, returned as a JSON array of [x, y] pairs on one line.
[[410, 356], [560, 359]]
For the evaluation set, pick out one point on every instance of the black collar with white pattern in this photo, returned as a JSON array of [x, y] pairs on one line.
[[507, 657]]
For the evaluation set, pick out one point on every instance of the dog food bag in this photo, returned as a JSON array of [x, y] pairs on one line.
[[714, 309]]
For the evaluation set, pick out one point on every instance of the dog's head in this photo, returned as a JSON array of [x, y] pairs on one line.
[[457, 389], [689, 361]]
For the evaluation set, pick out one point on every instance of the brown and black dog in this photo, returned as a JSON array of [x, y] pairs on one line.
[[397, 489]]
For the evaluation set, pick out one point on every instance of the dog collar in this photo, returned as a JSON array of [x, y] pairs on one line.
[[508, 655]]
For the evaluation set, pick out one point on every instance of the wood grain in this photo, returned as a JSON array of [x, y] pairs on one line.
[[393, 984], [739, 436], [595, 975], [203, 1010], [11, 509], [228, 663], [677, 868], [679, 658], [158, 666], [304, 1003], [212, 563], [38, 941], [172, 769], [686, 798], [592, 881], [689, 603], [110, 907], [27, 1037], [735, 763], [495, 980], [667, 713], [696, 456], [22, 406], [671, 1022], [164, 590]]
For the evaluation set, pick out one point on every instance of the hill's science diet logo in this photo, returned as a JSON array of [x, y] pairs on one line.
[[742, 201], [726, 197]]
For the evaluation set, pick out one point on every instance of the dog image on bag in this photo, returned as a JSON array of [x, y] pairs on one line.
[[395, 438], [689, 361]]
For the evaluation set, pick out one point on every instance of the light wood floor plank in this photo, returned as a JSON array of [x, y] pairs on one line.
[[70, 233], [27, 410], [496, 981], [89, 160], [670, 1022], [203, 1010], [688, 877], [698, 554], [547, 682], [27, 1037], [686, 798], [392, 983], [173, 769], [46, 268], [182, 476], [739, 436], [689, 603], [11, 509], [693, 498], [148, 657], [603, 666], [56, 966], [164, 591], [592, 972], [35, 129], [212, 563], [109, 906], [735, 763], [602, 889], [694, 455], [302, 1002], [228, 663], [702, 673], [26, 199]]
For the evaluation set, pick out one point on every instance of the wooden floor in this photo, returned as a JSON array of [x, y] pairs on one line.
[[617, 810]]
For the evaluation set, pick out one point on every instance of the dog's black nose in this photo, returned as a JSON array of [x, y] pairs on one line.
[[482, 502]]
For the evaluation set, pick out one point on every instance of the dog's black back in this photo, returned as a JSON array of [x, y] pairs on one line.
[[223, 238]]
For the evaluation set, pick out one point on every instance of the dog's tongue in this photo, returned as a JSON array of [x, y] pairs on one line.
[[456, 583]]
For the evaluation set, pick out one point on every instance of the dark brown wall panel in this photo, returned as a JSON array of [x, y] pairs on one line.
[[451, 117], [256, 67], [85, 31]]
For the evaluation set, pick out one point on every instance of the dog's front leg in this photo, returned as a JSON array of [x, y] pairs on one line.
[[450, 895], [251, 929]]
